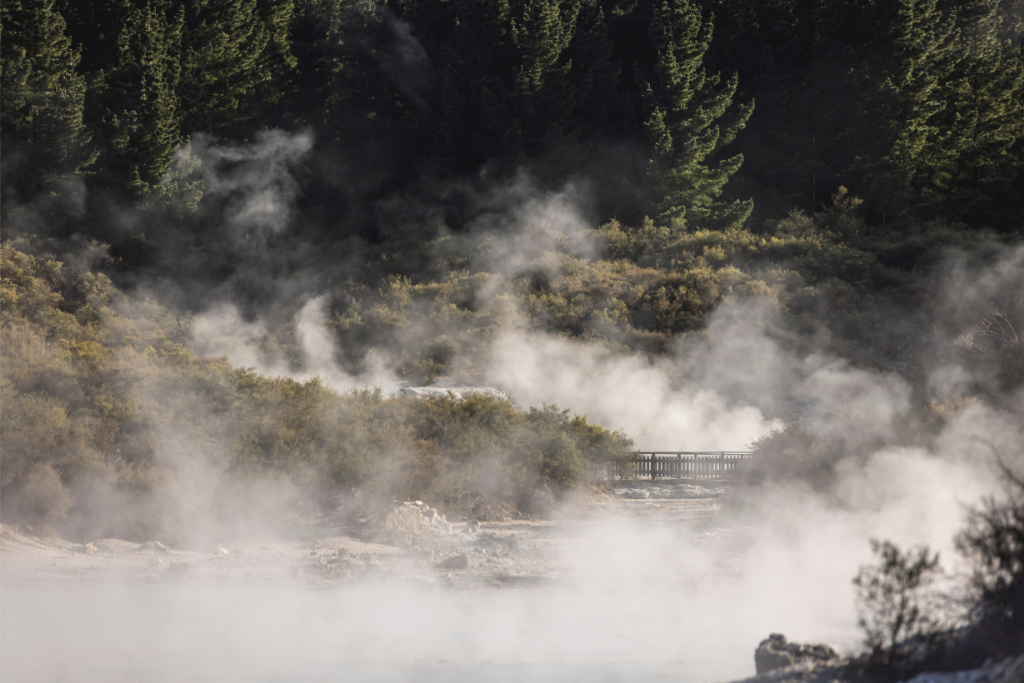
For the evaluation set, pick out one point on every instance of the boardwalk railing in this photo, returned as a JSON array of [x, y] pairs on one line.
[[685, 464]]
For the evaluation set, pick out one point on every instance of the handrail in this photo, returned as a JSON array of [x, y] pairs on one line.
[[684, 464], [694, 452]]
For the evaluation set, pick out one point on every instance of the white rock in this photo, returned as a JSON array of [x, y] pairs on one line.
[[153, 545]]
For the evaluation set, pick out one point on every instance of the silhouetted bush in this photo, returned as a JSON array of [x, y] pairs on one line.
[[993, 541], [898, 614]]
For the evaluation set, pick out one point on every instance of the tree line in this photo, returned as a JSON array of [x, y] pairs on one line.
[[914, 105]]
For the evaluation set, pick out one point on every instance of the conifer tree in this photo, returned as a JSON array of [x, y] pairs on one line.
[[772, 45], [469, 45], [912, 155], [348, 56], [94, 27], [470, 48], [600, 109], [688, 117], [277, 16], [226, 66], [43, 96], [315, 43], [542, 97], [985, 113], [516, 80], [142, 111]]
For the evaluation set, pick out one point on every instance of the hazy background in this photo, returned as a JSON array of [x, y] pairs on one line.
[[232, 233]]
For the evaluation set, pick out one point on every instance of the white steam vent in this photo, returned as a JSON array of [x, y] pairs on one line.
[[444, 386]]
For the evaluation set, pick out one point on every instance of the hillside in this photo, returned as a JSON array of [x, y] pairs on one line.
[[225, 223]]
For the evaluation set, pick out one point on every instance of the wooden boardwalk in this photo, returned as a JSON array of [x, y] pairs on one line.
[[685, 464]]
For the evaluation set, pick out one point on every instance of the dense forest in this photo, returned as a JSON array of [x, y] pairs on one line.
[[442, 170], [914, 106]]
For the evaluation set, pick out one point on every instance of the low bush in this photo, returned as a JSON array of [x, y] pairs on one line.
[[38, 499], [103, 398], [898, 611], [993, 541], [910, 627]]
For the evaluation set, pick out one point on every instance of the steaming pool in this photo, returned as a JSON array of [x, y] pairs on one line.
[[111, 632], [662, 592]]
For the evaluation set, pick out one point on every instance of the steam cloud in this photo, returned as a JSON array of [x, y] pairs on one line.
[[256, 182], [630, 591]]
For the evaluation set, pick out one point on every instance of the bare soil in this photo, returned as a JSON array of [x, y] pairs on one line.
[[502, 553]]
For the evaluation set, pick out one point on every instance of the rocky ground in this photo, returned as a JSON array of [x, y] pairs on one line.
[[394, 594], [406, 547], [412, 543], [780, 661]]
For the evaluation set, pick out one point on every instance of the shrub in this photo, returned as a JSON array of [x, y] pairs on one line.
[[794, 452], [993, 541], [897, 612], [39, 499], [561, 463]]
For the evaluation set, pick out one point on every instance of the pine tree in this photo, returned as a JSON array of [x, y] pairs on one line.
[[516, 81], [772, 45], [542, 96], [912, 155], [902, 110], [317, 46], [600, 110], [469, 45], [277, 16], [985, 112], [227, 67], [142, 111], [94, 27], [688, 117], [43, 96], [350, 77]]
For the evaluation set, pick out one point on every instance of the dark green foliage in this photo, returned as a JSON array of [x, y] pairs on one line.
[[908, 155], [95, 26], [140, 95], [277, 15], [226, 66], [43, 97], [360, 78], [915, 105], [688, 117], [986, 116], [886, 98], [503, 75]]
